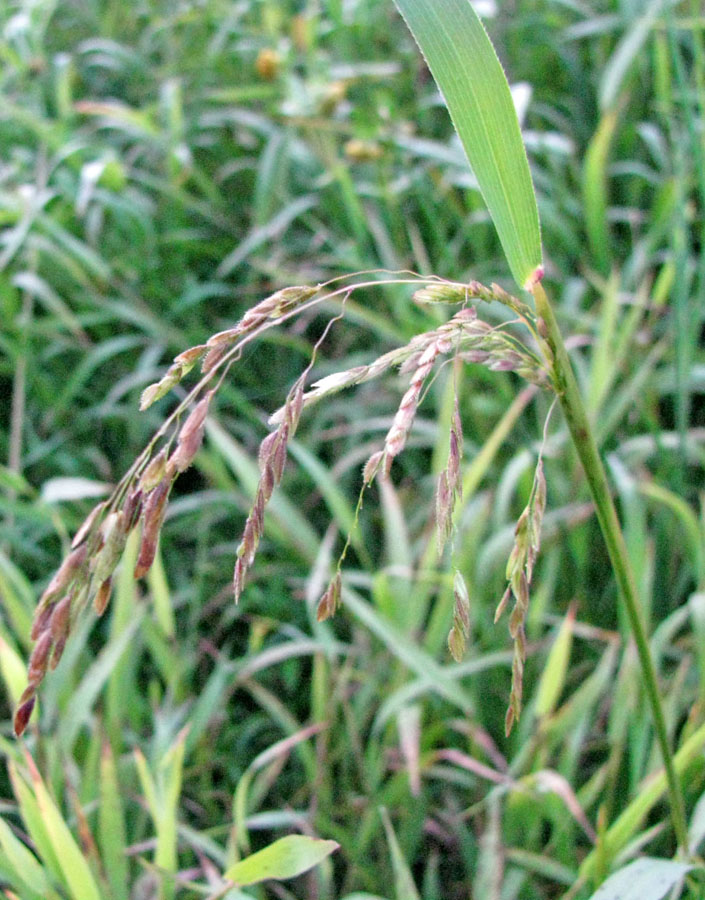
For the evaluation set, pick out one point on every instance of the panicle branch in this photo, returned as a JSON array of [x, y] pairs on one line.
[[449, 487], [520, 567]]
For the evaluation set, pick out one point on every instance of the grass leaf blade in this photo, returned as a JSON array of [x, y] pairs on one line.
[[470, 77], [286, 858]]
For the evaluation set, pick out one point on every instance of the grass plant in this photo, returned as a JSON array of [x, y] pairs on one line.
[[163, 171]]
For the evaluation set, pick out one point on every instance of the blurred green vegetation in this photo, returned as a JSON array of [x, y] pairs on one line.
[[163, 166]]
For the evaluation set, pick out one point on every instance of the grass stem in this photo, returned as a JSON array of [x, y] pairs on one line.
[[586, 448]]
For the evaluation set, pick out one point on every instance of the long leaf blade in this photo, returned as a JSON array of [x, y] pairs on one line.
[[286, 858], [465, 66]]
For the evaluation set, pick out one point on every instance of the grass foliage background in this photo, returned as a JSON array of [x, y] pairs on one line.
[[165, 165]]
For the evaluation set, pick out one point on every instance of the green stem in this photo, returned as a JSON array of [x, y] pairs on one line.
[[586, 448]]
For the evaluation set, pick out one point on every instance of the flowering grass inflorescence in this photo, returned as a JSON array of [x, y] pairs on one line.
[[142, 495]]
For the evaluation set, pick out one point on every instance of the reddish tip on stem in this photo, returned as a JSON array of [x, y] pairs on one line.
[[534, 278]]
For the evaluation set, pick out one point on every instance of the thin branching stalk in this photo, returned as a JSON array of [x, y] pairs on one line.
[[586, 448]]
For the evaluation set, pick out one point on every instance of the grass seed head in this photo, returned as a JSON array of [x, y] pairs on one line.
[[271, 459], [267, 482], [272, 307], [444, 511], [223, 337], [196, 419], [190, 439], [397, 435]]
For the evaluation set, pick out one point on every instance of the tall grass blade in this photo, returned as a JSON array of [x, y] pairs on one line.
[[76, 871], [626, 826], [34, 822], [474, 86], [617, 69], [595, 197], [24, 864], [111, 826], [404, 886]]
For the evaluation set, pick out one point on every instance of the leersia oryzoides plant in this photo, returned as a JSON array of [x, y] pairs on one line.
[[473, 84]]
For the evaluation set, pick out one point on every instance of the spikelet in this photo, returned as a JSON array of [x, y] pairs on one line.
[[22, 715], [88, 524], [66, 575], [329, 602], [39, 659], [59, 624], [189, 358], [372, 467], [161, 388], [181, 366], [132, 508], [102, 596], [155, 471], [114, 536], [272, 307], [190, 436], [152, 518]]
